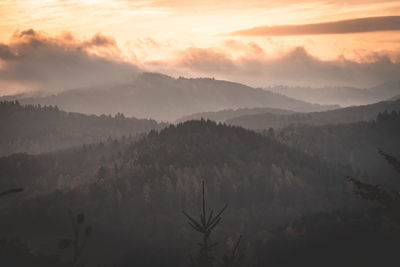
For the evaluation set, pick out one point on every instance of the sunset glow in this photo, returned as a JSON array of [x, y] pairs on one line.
[[155, 35]]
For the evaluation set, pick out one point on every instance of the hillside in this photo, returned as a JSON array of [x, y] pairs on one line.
[[387, 90], [397, 97], [36, 129], [337, 116], [160, 97], [132, 193], [355, 144], [223, 115]]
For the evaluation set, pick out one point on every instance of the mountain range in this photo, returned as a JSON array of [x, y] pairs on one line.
[[337, 116], [344, 96], [160, 97]]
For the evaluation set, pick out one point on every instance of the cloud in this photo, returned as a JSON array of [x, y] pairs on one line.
[[295, 67], [205, 60], [32, 60], [35, 61], [250, 47], [5, 52], [371, 24], [99, 40]]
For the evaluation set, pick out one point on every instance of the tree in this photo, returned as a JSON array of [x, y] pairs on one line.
[[78, 242], [390, 200], [101, 173], [205, 226]]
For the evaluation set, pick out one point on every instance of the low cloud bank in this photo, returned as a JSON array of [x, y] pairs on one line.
[[296, 67], [35, 61]]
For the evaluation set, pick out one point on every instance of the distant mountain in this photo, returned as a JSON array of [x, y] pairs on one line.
[[223, 115], [387, 90], [35, 129], [337, 116], [157, 96], [344, 96]]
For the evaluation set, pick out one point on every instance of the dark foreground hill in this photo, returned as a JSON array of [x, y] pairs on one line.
[[160, 97], [336, 116], [36, 129], [132, 193]]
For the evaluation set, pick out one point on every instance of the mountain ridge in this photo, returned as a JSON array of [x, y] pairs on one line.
[[344, 96], [336, 116], [161, 97]]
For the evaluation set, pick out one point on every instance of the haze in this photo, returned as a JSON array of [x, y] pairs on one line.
[[207, 133], [259, 43]]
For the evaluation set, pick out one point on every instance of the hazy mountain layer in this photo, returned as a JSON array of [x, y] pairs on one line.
[[337, 116], [164, 98], [344, 96]]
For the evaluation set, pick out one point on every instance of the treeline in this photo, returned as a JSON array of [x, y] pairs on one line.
[[37, 129], [389, 119]]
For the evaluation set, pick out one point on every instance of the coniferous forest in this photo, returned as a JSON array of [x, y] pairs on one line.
[[119, 201]]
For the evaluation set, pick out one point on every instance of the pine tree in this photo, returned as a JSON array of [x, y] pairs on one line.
[[205, 226]]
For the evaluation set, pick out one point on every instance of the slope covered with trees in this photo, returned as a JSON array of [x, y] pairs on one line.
[[355, 144], [336, 116], [36, 129], [132, 192]]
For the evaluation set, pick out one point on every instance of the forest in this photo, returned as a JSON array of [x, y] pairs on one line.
[[36, 129], [287, 190]]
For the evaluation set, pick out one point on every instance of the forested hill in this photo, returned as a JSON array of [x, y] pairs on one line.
[[36, 129], [336, 116], [355, 144], [135, 191]]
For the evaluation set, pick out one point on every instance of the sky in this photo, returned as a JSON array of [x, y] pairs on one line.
[[61, 44]]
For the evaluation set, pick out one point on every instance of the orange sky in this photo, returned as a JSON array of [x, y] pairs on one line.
[[154, 33], [174, 25]]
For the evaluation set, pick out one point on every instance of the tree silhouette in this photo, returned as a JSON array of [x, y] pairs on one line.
[[78, 242], [235, 258], [205, 225], [388, 199]]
